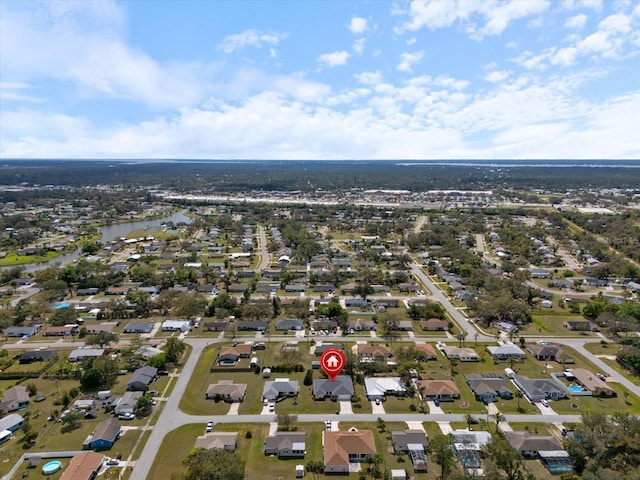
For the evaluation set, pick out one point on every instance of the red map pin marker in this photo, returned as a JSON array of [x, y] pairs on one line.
[[332, 362]]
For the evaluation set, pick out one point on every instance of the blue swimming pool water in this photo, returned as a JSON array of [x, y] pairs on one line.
[[61, 305], [51, 467], [575, 388]]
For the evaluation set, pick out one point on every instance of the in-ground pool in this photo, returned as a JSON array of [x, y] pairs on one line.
[[61, 305], [575, 388], [51, 467]]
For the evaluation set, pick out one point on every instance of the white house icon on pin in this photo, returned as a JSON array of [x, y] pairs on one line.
[[333, 362]]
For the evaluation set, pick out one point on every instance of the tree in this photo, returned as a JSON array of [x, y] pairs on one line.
[[470, 419], [102, 339], [289, 355], [286, 421], [188, 305], [158, 361], [504, 457], [32, 389], [144, 405], [498, 418], [308, 378], [99, 374], [390, 325], [363, 290], [204, 464], [174, 348], [441, 448], [72, 419], [315, 467], [63, 316]]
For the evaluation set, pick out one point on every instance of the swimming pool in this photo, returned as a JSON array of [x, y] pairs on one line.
[[575, 388], [61, 305], [51, 467]]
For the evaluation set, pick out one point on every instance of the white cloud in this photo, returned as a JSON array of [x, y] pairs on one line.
[[369, 78], [273, 53], [81, 45], [334, 59], [496, 16], [411, 41], [358, 45], [408, 60], [250, 38], [576, 22], [496, 76], [358, 25]]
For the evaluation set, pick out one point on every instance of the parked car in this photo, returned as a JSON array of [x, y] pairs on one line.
[[544, 402], [327, 424], [377, 401], [272, 406], [209, 427], [126, 416]]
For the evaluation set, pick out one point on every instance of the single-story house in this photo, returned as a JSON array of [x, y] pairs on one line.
[[539, 272], [506, 351], [468, 445], [63, 331], [320, 349], [219, 326], [227, 390], [434, 325], [231, 355], [286, 444], [340, 388], [11, 422], [375, 352], [142, 378], [176, 325], [280, 388], [549, 352], [414, 443], [581, 326], [218, 441], [592, 383], [361, 325], [83, 466], [80, 354], [253, 325], [488, 388], [107, 327], [133, 327], [344, 448], [402, 438], [379, 387], [37, 356], [536, 389], [290, 324], [81, 292], [21, 331], [425, 351], [148, 351], [84, 403], [15, 398], [529, 445], [443, 390], [464, 354], [126, 403], [104, 436]]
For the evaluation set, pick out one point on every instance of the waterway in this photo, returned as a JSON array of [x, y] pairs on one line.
[[109, 233]]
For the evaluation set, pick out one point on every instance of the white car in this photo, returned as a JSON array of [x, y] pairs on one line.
[[544, 402], [209, 427], [272, 406]]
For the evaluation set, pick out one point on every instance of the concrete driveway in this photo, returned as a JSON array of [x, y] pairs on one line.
[[377, 409]]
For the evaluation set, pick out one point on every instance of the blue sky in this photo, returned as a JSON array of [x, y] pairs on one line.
[[320, 79]]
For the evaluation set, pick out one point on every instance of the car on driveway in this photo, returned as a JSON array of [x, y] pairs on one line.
[[272, 406], [377, 401], [126, 416], [327, 424], [544, 402], [209, 427]]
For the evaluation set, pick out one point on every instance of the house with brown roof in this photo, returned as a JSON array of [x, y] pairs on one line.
[[434, 325], [464, 354], [84, 466], [426, 351], [218, 441], [443, 390], [227, 390], [592, 383], [231, 355], [374, 352], [63, 331], [344, 448], [544, 352]]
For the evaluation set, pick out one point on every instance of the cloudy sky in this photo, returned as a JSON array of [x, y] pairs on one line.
[[320, 79]]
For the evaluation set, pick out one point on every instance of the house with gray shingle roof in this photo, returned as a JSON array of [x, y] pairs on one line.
[[340, 388]]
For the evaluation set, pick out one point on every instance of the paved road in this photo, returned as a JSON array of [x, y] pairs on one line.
[[422, 219], [439, 296], [171, 416], [264, 252], [24, 294]]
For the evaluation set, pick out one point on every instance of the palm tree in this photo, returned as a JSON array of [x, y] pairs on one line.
[[519, 396], [470, 419], [499, 418]]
